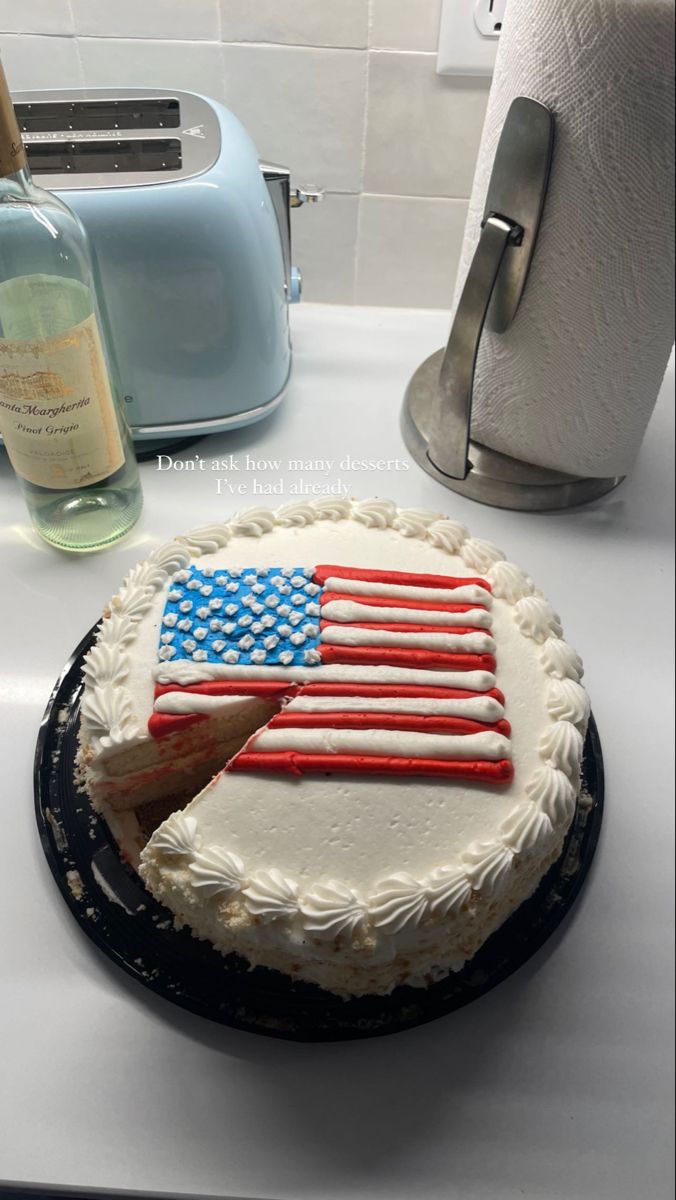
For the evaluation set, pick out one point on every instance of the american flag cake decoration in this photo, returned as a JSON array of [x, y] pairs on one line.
[[372, 671]]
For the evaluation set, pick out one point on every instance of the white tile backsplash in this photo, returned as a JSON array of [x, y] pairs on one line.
[[408, 250], [178, 20], [344, 92], [423, 129], [36, 16], [405, 24], [323, 238], [40, 62], [123, 62], [303, 107], [296, 22]]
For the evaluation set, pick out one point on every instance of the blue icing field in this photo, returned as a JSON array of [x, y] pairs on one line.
[[253, 617]]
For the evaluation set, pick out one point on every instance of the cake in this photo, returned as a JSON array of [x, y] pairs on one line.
[[342, 739]]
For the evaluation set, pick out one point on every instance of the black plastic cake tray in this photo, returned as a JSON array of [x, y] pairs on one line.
[[111, 905]]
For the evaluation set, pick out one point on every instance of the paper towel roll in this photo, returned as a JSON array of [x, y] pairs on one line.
[[573, 381]]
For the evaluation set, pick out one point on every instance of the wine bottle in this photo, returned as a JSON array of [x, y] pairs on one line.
[[61, 408]]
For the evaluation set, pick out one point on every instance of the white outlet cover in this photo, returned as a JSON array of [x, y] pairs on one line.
[[463, 49]]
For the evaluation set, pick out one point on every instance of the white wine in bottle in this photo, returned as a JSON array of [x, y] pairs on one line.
[[61, 409]]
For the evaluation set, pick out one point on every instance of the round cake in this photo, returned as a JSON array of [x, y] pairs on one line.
[[342, 739]]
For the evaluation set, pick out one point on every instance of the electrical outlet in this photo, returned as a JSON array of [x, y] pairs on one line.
[[488, 17], [468, 36]]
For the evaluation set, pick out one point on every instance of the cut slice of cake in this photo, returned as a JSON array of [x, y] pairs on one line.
[[392, 719]]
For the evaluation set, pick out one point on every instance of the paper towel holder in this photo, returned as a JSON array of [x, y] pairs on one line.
[[437, 410]]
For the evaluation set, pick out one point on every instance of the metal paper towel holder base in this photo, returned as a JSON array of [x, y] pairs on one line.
[[437, 409]]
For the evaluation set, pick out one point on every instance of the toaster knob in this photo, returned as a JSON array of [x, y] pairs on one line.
[[295, 285]]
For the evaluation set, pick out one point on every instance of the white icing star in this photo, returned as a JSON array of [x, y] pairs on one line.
[[215, 626], [257, 608], [310, 630], [208, 572], [229, 627], [297, 581], [170, 620], [189, 645], [311, 589], [284, 630], [283, 610], [185, 606], [231, 609], [284, 589], [245, 620], [272, 601], [258, 588], [223, 581], [270, 642], [181, 576], [248, 600], [174, 595], [167, 652], [257, 627], [312, 610], [258, 656], [201, 633], [206, 590], [194, 584], [297, 639], [219, 645], [312, 657], [286, 657], [250, 580], [287, 572], [268, 621], [231, 656], [184, 625], [232, 586], [167, 638], [200, 655], [202, 613], [215, 604], [295, 618], [298, 598], [246, 642]]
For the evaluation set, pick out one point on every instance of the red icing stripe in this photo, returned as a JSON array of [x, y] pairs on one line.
[[394, 627], [479, 770], [162, 724], [390, 602], [411, 722], [400, 657], [404, 690], [405, 578]]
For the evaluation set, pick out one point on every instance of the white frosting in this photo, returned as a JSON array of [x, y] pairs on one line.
[[351, 610], [215, 871], [460, 643], [186, 672], [469, 594], [384, 741], [331, 909], [365, 858], [478, 708]]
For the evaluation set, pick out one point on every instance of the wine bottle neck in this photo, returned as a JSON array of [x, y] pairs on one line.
[[12, 151]]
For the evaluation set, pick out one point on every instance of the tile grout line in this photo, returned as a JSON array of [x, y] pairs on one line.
[[362, 165]]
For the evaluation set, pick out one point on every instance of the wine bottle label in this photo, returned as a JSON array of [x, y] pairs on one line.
[[57, 412]]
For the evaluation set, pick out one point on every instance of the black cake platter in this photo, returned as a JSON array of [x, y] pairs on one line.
[[111, 905]]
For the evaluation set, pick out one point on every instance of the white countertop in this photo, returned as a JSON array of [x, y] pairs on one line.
[[554, 1085]]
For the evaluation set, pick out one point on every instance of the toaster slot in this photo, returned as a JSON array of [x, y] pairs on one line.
[[89, 157], [142, 113]]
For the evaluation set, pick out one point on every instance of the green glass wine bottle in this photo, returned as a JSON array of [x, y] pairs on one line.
[[61, 409]]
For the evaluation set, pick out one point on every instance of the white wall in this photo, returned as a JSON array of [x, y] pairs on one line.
[[342, 91]]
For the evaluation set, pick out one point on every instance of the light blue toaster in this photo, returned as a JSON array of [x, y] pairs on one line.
[[192, 238]]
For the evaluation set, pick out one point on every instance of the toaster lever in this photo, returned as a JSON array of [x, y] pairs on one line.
[[300, 196]]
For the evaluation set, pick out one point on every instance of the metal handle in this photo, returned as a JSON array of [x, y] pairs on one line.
[[450, 425]]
